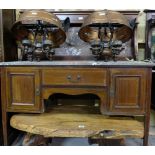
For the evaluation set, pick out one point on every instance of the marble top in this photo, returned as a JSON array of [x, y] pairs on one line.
[[79, 63]]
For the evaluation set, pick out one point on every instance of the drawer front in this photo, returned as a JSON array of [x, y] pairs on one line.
[[75, 76]]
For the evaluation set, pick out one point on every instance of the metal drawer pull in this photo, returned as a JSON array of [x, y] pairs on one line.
[[69, 77], [78, 78]]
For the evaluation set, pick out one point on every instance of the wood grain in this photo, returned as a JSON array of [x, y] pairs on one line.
[[128, 89], [86, 76], [55, 123], [119, 91], [21, 87]]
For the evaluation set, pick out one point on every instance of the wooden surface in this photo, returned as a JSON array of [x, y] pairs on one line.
[[7, 105], [75, 76], [77, 122], [123, 94], [119, 91], [22, 87], [128, 87]]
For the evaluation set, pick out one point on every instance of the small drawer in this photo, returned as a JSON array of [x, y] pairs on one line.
[[75, 76]]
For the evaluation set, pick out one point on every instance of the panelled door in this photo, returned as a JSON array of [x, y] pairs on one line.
[[23, 89], [127, 90]]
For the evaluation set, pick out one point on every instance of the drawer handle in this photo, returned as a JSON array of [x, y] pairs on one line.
[[78, 78], [37, 92]]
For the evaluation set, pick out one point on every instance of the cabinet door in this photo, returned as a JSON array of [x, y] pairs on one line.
[[23, 89], [128, 91]]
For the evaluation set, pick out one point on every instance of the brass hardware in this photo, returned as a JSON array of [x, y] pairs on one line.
[[37, 91], [69, 77], [78, 78]]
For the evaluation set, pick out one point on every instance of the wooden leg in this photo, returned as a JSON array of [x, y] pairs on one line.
[[4, 125], [148, 107], [146, 129], [3, 105]]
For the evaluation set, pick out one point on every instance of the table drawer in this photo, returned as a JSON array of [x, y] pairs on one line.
[[91, 77]]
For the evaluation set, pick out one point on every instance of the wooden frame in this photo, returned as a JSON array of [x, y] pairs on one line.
[[75, 89]]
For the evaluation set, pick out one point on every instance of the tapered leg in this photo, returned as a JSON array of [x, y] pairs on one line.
[[3, 104], [148, 107], [146, 129], [4, 125]]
